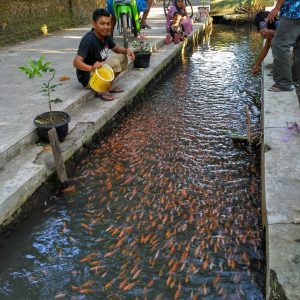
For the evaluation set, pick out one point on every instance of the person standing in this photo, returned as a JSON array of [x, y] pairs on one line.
[[287, 35]]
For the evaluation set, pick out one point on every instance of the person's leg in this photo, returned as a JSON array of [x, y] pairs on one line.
[[284, 38], [118, 63], [145, 15], [296, 61]]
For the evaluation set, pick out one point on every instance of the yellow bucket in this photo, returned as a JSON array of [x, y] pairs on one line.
[[102, 78]]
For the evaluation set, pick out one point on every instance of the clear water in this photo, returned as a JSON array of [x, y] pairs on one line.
[[167, 207]]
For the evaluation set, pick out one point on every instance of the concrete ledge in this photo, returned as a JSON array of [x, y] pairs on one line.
[[281, 191]]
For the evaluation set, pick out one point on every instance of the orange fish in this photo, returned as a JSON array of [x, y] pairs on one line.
[[130, 286], [109, 254], [86, 291]]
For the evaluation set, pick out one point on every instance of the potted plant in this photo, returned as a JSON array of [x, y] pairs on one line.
[[51, 119], [142, 51]]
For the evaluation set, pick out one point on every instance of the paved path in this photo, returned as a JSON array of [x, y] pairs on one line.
[[281, 189]]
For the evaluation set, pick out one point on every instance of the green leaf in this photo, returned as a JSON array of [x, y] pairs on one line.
[[57, 100]]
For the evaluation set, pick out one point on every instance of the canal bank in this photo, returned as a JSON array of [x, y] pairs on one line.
[[281, 189]]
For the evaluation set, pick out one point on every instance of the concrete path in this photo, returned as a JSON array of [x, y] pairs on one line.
[[281, 190]]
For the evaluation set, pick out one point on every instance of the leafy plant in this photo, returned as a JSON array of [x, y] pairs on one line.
[[39, 68], [141, 45]]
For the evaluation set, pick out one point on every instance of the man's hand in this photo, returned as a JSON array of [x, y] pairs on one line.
[[272, 15], [130, 54], [96, 65], [255, 69]]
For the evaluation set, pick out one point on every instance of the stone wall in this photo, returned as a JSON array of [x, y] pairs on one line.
[[24, 19]]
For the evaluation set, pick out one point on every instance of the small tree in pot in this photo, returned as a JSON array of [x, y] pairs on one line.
[[142, 51], [57, 119]]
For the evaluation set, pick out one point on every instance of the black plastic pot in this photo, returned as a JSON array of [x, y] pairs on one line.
[[142, 60], [62, 127]]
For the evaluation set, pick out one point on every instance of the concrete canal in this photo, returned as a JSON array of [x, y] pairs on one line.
[[167, 206]]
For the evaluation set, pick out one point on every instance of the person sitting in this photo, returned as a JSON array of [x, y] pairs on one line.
[[176, 30], [179, 7], [267, 33], [93, 50]]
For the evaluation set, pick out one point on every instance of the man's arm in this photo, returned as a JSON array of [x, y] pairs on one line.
[[126, 51], [262, 55], [274, 12], [79, 63]]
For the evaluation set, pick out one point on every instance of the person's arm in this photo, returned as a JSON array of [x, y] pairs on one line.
[[262, 55], [126, 51], [274, 12], [79, 63]]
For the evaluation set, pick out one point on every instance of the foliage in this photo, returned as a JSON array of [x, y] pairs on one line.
[[38, 68], [141, 45], [249, 7]]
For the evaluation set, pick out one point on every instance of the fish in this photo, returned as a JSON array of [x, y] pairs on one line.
[[130, 286], [178, 292], [60, 295], [109, 254], [86, 291]]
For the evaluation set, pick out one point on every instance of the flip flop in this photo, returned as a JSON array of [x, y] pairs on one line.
[[277, 88], [117, 90], [105, 96]]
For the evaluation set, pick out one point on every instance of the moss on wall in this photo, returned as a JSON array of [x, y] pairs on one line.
[[23, 19]]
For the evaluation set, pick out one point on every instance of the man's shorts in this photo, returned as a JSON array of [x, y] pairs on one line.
[[118, 63]]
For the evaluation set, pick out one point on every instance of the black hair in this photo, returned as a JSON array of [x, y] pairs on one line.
[[260, 17], [100, 12]]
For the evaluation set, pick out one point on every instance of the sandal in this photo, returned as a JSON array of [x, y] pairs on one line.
[[105, 96], [277, 88], [117, 90]]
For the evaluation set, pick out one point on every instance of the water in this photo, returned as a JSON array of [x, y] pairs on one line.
[[167, 207]]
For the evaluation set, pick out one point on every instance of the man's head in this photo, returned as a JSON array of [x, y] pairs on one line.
[[101, 22]]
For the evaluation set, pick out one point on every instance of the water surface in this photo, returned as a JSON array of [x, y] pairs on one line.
[[167, 207]]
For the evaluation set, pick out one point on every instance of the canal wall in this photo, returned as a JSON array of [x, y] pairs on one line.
[[281, 189], [25, 164]]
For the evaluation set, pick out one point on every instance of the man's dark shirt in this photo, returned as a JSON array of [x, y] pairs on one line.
[[92, 49]]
